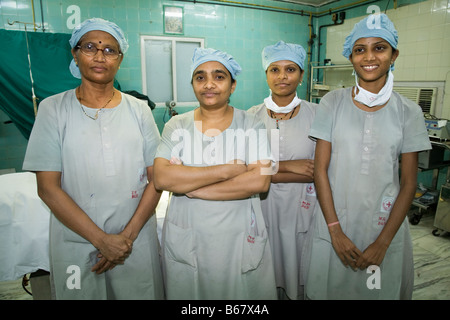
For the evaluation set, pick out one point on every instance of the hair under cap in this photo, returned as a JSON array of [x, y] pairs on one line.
[[91, 25], [374, 25], [204, 55], [283, 51]]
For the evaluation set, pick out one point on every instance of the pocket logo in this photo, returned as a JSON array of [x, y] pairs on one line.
[[387, 204]]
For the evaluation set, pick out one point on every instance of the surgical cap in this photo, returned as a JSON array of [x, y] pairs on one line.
[[91, 25], [374, 25], [204, 55], [283, 51]]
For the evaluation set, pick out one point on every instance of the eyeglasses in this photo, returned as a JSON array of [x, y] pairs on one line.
[[91, 50]]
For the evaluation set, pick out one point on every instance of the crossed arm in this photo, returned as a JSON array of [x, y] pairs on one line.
[[220, 182], [301, 170]]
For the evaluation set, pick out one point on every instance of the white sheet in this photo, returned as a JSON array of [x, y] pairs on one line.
[[24, 222]]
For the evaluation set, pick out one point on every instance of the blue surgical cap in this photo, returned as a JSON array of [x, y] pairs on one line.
[[283, 51], [373, 26], [204, 55], [91, 25]]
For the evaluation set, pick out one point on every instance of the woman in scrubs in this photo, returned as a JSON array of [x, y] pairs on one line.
[[215, 160], [361, 246], [289, 204], [92, 149]]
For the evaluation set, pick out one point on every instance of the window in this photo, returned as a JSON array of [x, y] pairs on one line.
[[166, 64]]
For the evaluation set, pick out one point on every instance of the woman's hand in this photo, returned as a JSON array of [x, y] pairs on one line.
[[236, 167], [344, 247], [373, 255], [303, 166], [175, 161], [115, 248]]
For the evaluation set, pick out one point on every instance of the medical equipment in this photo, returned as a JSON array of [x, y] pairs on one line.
[[429, 159], [442, 217], [170, 105], [438, 128]]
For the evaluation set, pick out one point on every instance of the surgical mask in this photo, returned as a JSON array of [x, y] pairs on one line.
[[275, 108], [375, 99]]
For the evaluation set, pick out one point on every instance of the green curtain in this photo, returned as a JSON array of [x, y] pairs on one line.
[[50, 58]]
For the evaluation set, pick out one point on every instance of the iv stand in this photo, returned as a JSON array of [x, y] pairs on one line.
[[34, 98]]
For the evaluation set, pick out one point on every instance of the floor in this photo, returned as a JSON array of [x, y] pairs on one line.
[[431, 262]]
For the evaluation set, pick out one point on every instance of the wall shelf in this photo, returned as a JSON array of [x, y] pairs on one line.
[[330, 77]]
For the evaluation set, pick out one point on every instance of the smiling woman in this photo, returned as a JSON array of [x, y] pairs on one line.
[[361, 133], [372, 59]]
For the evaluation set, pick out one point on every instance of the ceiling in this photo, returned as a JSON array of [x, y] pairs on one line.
[[313, 3]]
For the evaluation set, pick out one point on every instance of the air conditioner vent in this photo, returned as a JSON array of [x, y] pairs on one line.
[[410, 93], [424, 97]]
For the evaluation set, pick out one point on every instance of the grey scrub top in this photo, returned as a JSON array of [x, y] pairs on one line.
[[216, 249], [288, 207], [364, 178], [103, 165]]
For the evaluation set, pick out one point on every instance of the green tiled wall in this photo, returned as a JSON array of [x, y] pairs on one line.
[[242, 32]]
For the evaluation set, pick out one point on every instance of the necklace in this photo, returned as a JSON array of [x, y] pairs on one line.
[[98, 110], [283, 117]]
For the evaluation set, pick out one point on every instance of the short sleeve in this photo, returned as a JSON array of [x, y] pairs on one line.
[[258, 137], [414, 132], [151, 136], [167, 144], [321, 127], [44, 145]]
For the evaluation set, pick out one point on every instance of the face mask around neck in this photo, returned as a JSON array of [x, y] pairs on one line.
[[375, 99], [275, 108]]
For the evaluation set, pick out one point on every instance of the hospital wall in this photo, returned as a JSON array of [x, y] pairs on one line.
[[424, 44], [243, 32]]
